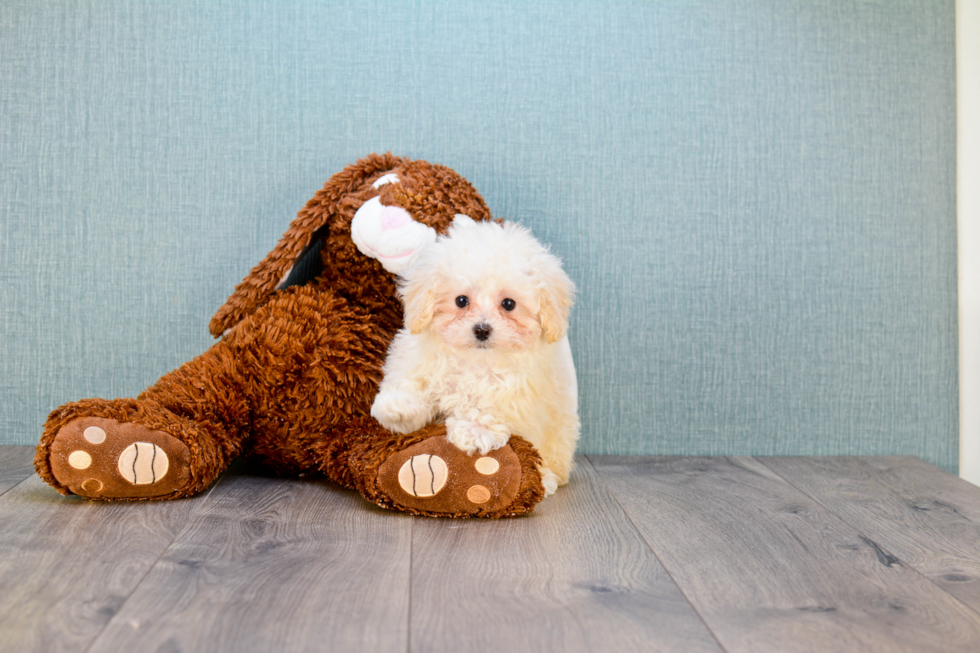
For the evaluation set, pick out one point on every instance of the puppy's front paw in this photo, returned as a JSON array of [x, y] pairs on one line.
[[472, 436], [400, 411]]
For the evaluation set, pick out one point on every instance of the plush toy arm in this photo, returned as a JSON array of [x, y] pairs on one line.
[[275, 269]]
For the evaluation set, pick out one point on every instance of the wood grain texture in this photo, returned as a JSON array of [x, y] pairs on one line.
[[574, 575], [828, 555], [16, 464], [927, 487], [67, 564], [769, 569], [903, 508], [274, 565]]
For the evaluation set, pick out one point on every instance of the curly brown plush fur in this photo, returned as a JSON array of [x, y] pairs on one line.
[[290, 383]]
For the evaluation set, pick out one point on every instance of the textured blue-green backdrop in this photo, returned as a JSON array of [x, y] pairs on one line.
[[756, 198]]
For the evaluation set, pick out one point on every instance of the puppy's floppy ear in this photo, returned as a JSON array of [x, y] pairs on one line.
[[418, 293], [557, 296]]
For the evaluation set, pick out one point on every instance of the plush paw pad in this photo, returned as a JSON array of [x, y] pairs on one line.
[[423, 475], [487, 465], [478, 494], [435, 477], [143, 463], [101, 458]]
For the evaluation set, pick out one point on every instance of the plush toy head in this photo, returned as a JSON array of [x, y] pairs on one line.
[[367, 223]]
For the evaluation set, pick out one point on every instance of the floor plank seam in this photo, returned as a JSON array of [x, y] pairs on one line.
[[670, 575], [203, 500], [860, 531], [18, 484]]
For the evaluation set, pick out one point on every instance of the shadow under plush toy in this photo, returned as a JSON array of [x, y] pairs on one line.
[[290, 383]]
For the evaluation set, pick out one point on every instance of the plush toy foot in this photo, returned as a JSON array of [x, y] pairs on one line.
[[433, 477], [128, 449], [101, 458]]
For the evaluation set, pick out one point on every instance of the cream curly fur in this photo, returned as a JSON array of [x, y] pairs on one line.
[[495, 363]]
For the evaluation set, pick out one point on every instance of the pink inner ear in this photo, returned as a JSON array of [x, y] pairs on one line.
[[393, 217]]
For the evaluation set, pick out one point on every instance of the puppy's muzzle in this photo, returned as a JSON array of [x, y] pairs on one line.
[[482, 332]]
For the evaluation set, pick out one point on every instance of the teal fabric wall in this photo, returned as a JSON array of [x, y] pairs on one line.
[[755, 197]]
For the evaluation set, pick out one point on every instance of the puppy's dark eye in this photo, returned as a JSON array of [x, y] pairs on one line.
[[509, 304], [462, 301]]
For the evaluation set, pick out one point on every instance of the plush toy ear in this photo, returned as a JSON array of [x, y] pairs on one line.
[[294, 257], [557, 297], [309, 263]]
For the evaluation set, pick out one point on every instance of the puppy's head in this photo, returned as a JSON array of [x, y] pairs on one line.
[[488, 286]]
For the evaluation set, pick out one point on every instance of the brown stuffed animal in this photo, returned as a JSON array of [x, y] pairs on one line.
[[290, 383]]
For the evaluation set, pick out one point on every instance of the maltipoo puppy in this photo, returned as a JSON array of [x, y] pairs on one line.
[[484, 346]]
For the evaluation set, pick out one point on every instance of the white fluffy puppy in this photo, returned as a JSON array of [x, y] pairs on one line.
[[484, 346]]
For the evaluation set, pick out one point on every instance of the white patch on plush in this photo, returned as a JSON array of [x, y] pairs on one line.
[[390, 235], [390, 178]]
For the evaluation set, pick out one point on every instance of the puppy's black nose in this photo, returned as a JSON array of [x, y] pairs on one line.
[[482, 332]]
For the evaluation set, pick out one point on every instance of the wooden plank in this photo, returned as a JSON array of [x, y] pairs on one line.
[[67, 564], [769, 569], [928, 488], [275, 565], [921, 527], [16, 464], [574, 575]]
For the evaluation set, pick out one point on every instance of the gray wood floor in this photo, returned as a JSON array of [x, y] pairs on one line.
[[636, 554]]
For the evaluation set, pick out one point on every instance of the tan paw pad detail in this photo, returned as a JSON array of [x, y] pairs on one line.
[[478, 494], [143, 463], [94, 435], [80, 460], [487, 466], [92, 485], [423, 475]]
